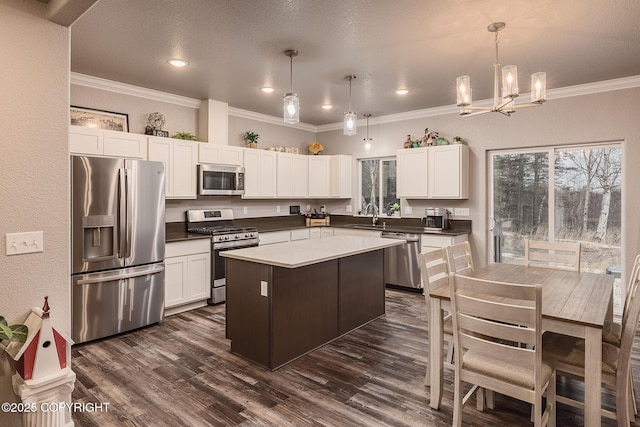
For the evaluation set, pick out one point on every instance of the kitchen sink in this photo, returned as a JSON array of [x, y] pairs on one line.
[[365, 226]]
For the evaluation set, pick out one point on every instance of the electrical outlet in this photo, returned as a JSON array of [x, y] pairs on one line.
[[277, 209], [408, 210], [308, 207], [348, 208], [264, 288], [461, 211], [245, 210], [24, 243]]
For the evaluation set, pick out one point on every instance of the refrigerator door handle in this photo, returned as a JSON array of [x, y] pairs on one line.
[[129, 226], [122, 211], [121, 276]]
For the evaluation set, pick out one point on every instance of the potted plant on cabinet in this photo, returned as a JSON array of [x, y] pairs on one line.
[[251, 139]]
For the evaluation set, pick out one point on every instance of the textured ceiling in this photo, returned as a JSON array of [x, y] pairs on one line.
[[236, 47]]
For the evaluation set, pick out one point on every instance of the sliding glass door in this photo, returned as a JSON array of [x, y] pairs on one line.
[[558, 194]]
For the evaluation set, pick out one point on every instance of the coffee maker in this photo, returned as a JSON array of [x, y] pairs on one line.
[[436, 219]]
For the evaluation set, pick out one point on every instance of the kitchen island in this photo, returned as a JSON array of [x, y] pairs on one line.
[[287, 299]]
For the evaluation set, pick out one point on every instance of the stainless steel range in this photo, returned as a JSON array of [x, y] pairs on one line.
[[224, 236]]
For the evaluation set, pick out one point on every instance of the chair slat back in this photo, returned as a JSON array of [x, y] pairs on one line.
[[434, 269], [631, 289], [630, 325], [492, 317], [562, 255], [460, 258]]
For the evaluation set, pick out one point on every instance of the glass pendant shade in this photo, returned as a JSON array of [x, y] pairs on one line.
[[509, 81], [350, 123], [538, 87], [291, 106], [463, 89]]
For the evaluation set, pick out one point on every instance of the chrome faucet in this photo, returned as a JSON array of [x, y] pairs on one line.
[[374, 219]]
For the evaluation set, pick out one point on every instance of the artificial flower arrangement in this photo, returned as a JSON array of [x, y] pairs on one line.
[[316, 147]]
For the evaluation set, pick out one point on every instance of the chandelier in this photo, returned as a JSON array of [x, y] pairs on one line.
[[506, 105]]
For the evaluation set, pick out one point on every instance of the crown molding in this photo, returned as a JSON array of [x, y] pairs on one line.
[[126, 89], [564, 92], [246, 114]]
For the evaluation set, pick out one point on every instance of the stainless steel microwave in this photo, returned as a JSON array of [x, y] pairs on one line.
[[220, 180]]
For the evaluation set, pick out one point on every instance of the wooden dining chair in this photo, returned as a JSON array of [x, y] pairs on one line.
[[612, 331], [568, 354], [562, 255], [489, 319], [460, 258], [434, 269]]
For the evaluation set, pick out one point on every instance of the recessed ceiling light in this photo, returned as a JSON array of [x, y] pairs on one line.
[[267, 89], [402, 91], [178, 63], [327, 107]]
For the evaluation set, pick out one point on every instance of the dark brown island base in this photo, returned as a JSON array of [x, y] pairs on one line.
[[287, 299]]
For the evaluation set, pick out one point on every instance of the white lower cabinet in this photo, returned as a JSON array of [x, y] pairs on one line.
[[430, 242], [299, 234], [320, 232], [187, 275], [271, 237], [356, 232]]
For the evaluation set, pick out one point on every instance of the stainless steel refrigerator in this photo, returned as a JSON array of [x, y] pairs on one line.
[[117, 245]]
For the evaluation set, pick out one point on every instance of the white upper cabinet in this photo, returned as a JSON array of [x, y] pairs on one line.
[[293, 174], [220, 154], [319, 176], [180, 159], [411, 173], [448, 169], [260, 174], [98, 142], [340, 176], [440, 172]]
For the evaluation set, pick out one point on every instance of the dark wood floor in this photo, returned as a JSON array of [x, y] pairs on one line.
[[181, 373]]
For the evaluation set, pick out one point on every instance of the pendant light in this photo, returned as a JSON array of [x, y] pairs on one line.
[[291, 104], [367, 140], [507, 104], [350, 117]]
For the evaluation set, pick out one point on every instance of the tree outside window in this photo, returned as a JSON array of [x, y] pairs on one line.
[[378, 186]]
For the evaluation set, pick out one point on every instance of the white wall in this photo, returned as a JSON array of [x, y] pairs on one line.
[[609, 116], [34, 172]]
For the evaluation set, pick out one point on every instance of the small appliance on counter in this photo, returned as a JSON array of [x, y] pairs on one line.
[[436, 219]]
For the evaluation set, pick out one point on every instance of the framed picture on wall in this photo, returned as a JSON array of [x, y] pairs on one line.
[[99, 119]]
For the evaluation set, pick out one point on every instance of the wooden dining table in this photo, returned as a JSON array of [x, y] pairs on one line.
[[573, 303]]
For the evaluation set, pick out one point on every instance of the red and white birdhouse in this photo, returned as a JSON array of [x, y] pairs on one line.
[[43, 356]]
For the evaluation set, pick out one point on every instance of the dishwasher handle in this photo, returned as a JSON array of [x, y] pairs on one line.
[[401, 236]]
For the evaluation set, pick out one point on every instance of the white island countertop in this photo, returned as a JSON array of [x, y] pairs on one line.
[[306, 252]]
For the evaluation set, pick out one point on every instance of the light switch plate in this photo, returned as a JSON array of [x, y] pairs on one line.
[[24, 243], [461, 211], [264, 288], [408, 210]]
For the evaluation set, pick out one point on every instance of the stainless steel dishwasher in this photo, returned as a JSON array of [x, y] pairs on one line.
[[401, 266]]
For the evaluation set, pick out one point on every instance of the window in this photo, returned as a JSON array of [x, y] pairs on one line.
[[558, 194], [377, 186]]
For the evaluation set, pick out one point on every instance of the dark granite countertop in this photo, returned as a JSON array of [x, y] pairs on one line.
[[176, 231]]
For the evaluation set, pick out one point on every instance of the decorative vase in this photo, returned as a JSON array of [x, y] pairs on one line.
[[408, 142]]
